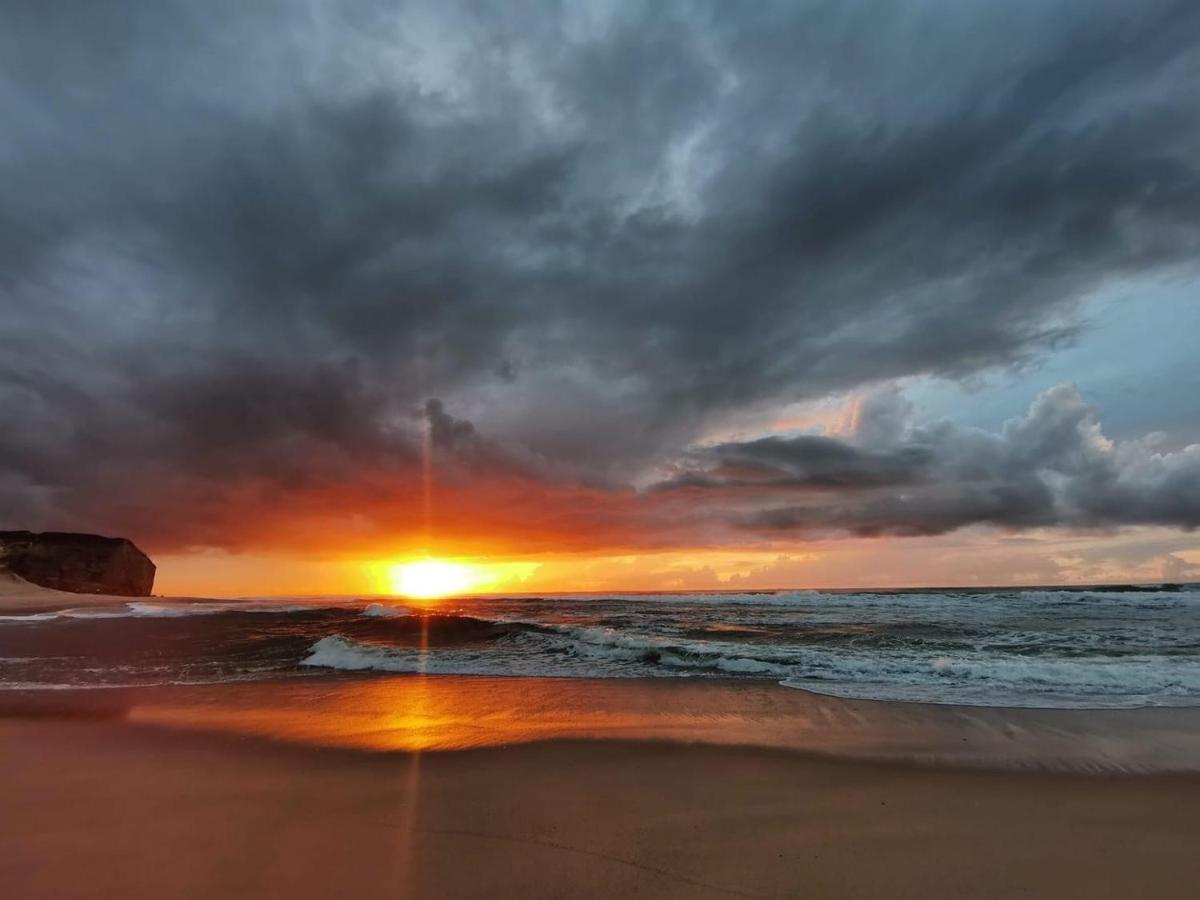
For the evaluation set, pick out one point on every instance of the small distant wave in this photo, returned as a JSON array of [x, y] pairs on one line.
[[69, 614], [140, 609], [29, 618], [180, 610], [747, 598], [122, 685], [384, 611], [58, 686], [870, 603]]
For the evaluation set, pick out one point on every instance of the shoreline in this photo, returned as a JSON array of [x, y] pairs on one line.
[[150, 812], [20, 596], [396, 786], [407, 713]]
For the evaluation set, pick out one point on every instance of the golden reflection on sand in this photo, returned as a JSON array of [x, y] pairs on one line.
[[418, 713]]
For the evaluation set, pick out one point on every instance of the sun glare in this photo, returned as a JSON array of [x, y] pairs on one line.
[[431, 578]]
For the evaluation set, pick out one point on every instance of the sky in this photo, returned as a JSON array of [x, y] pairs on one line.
[[605, 295]]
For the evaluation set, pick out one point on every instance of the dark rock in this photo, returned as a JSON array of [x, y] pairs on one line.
[[80, 563]]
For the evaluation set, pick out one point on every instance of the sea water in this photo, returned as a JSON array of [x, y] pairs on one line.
[[1068, 648]]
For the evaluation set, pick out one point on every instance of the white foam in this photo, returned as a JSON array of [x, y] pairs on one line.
[[337, 652], [107, 686], [180, 610], [385, 611], [85, 612], [141, 609], [58, 686], [344, 654]]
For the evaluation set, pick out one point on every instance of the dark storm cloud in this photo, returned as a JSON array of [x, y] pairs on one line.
[[248, 242], [1053, 466], [806, 461]]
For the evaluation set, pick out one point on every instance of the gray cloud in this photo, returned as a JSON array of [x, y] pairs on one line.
[[1053, 466], [807, 461], [244, 242]]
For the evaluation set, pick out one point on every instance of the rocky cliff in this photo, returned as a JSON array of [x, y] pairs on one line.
[[80, 563]]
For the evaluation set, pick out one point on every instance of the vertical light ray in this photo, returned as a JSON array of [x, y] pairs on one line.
[[427, 482]]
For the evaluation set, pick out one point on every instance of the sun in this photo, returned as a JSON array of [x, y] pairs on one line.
[[427, 579]]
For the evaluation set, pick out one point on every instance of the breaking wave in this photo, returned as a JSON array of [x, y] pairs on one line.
[[337, 652], [384, 611], [140, 609], [917, 673], [1083, 648]]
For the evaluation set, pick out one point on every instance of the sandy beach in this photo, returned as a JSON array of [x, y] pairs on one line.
[[211, 793], [367, 784], [19, 596], [95, 808]]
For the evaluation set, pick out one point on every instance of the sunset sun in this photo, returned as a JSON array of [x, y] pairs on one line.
[[431, 578]]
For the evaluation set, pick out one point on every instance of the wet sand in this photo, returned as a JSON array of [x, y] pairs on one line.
[[180, 794], [449, 712], [106, 809]]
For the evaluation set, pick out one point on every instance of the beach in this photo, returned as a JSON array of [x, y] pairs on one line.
[[20, 596], [164, 748], [99, 807]]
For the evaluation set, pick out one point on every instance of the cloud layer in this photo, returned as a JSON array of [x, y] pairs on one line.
[[251, 253], [1051, 467]]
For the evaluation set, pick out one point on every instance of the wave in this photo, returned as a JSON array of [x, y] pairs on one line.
[[435, 629], [68, 614], [29, 617], [337, 652], [615, 645], [1005, 680], [122, 685], [143, 609], [915, 674], [345, 654], [384, 611], [1123, 595], [534, 650], [1029, 648], [754, 598], [140, 609]]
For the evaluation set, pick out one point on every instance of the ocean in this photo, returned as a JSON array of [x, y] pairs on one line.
[[1060, 648]]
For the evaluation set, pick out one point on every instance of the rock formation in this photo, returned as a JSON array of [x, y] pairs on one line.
[[80, 563]]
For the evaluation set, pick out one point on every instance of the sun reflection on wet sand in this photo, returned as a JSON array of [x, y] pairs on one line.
[[408, 811], [416, 714]]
